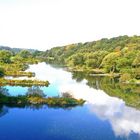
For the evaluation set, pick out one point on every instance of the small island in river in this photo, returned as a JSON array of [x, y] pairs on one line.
[[36, 99]]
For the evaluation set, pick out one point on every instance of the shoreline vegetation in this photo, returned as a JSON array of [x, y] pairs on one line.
[[20, 74], [35, 99], [94, 72], [14, 64], [118, 56], [12, 82], [123, 77]]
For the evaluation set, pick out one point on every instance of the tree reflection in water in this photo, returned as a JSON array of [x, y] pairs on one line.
[[130, 93], [4, 91], [3, 110], [35, 90]]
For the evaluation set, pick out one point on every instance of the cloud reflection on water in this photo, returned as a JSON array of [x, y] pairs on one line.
[[123, 119]]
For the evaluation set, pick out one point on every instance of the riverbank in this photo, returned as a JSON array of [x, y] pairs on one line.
[[20, 73], [13, 82], [78, 69], [107, 74], [93, 72], [17, 69], [126, 78]]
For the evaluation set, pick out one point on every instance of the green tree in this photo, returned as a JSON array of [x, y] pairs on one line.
[[5, 56], [24, 54], [75, 60], [110, 62]]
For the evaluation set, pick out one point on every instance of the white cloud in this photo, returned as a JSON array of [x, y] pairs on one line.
[[47, 23]]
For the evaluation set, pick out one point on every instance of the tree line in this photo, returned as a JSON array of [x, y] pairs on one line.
[[115, 55]]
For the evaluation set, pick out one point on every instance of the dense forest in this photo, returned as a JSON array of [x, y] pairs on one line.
[[115, 55]]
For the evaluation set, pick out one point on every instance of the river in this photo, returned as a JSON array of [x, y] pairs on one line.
[[102, 117]]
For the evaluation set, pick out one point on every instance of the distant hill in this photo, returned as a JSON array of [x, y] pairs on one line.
[[15, 50], [115, 55]]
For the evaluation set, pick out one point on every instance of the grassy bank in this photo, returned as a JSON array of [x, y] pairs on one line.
[[23, 82], [19, 73]]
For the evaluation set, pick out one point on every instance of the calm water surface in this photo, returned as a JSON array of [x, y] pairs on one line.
[[101, 118]]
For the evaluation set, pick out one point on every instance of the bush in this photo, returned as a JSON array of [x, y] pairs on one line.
[[125, 77]]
